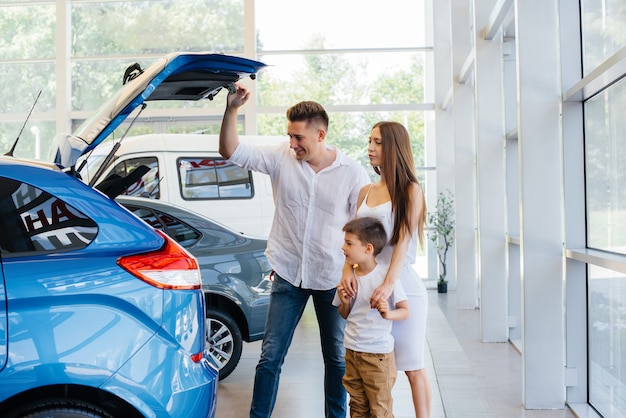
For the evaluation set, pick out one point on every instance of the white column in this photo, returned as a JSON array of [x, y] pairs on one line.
[[63, 105], [249, 49], [574, 201], [509, 68], [444, 127], [490, 137], [430, 134], [464, 159], [541, 203]]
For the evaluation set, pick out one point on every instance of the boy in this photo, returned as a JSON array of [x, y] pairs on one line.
[[370, 365]]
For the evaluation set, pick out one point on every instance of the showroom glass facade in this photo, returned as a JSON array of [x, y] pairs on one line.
[[604, 40], [75, 53]]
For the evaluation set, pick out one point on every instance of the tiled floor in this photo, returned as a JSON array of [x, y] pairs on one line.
[[470, 379]]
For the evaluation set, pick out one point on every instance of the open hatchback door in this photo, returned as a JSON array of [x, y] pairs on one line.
[[177, 76]]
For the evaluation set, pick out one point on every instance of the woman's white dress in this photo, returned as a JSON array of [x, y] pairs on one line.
[[410, 334]]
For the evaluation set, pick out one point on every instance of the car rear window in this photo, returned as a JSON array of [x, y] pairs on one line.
[[34, 221], [184, 234]]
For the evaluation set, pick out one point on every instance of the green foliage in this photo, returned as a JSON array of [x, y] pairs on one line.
[[442, 223], [156, 27], [336, 80], [27, 32]]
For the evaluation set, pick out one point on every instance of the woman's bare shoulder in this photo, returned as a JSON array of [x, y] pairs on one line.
[[363, 193], [416, 189]]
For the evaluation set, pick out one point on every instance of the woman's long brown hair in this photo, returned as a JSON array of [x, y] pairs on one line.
[[398, 171]]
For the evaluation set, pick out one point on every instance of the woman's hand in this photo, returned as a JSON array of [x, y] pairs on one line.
[[383, 307], [382, 292]]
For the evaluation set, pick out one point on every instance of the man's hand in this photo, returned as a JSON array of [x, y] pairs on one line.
[[238, 98]]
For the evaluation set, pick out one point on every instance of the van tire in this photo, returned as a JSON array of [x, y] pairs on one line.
[[223, 341]]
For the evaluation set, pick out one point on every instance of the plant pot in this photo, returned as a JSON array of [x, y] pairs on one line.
[[442, 287]]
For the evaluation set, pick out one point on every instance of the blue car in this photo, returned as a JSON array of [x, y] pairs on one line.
[[101, 315], [236, 276]]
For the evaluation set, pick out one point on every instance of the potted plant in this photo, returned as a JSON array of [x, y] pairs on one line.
[[441, 233]]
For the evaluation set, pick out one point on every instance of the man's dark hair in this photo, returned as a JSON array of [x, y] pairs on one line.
[[368, 230], [308, 111]]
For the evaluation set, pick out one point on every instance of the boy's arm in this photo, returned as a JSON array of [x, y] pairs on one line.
[[399, 314], [344, 309], [344, 300]]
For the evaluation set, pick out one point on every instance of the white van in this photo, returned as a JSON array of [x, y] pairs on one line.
[[187, 170]]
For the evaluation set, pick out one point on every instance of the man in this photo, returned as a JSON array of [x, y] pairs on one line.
[[315, 193]]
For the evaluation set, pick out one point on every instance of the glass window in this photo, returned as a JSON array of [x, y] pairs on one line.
[[179, 230], [342, 78], [148, 184], [27, 31], [605, 159], [184, 234], [147, 216], [32, 220], [34, 139], [156, 27], [349, 131], [343, 24], [21, 84], [607, 341], [213, 178], [602, 29], [94, 82]]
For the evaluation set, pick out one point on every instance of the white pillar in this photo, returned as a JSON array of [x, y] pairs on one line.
[[63, 66], [444, 124], [464, 159], [541, 203], [490, 142], [249, 48], [574, 200], [509, 68]]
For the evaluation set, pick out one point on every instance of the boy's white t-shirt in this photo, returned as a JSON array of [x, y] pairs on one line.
[[366, 330]]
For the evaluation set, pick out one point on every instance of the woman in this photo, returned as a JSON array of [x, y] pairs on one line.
[[397, 199]]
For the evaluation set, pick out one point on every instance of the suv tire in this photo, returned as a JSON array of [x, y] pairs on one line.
[[66, 408]]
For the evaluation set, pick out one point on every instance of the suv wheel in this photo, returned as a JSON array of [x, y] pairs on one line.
[[65, 408], [223, 341]]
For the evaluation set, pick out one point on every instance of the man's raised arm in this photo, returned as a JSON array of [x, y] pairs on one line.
[[229, 138]]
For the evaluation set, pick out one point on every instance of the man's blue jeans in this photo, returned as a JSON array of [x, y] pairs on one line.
[[287, 304]]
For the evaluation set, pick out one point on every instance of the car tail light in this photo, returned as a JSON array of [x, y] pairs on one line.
[[170, 267], [197, 357]]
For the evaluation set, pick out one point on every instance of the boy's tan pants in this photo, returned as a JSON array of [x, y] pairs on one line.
[[368, 380]]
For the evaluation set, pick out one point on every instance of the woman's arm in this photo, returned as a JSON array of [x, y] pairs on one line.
[[416, 207], [348, 282]]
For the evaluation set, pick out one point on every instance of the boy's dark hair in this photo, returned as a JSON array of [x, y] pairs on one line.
[[308, 111], [368, 230]]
